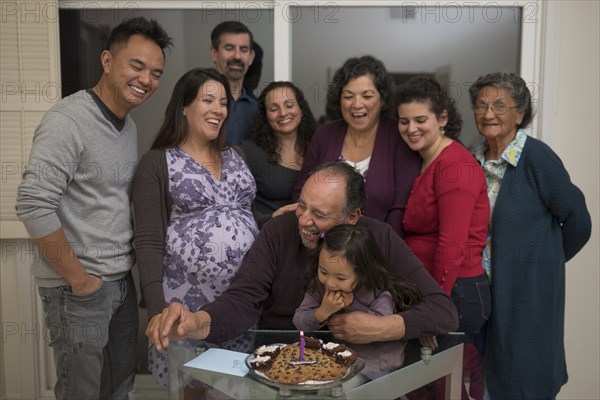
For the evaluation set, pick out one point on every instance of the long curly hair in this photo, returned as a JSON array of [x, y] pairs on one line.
[[265, 137], [356, 67], [424, 89]]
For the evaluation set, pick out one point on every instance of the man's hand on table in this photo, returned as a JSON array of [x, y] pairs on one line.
[[177, 322], [429, 341], [360, 327]]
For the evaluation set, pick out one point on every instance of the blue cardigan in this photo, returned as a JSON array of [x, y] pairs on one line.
[[540, 221]]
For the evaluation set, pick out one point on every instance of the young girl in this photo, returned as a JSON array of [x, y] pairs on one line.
[[348, 272]]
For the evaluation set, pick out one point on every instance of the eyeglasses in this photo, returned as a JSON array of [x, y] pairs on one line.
[[498, 108]]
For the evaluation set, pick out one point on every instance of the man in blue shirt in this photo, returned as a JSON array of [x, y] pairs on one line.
[[232, 53]]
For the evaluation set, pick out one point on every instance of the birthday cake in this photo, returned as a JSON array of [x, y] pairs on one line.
[[320, 363]]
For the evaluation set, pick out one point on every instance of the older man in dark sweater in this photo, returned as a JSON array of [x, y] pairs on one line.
[[268, 287]]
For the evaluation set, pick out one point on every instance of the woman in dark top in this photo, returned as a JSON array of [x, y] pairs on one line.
[[539, 221], [275, 149]]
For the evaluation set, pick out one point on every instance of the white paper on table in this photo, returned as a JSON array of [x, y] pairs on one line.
[[220, 360]]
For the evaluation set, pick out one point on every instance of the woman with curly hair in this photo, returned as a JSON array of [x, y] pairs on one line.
[[448, 209], [365, 135], [447, 212], [275, 149]]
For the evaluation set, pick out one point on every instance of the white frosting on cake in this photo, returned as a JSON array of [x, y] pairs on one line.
[[262, 359], [345, 353], [267, 349], [330, 346]]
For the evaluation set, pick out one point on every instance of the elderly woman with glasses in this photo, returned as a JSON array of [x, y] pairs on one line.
[[539, 221]]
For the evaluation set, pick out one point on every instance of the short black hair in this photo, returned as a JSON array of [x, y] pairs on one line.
[[228, 27], [150, 29]]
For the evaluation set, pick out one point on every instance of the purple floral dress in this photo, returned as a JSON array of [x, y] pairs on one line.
[[211, 227]]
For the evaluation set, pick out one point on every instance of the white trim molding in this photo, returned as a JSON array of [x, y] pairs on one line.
[[548, 73]]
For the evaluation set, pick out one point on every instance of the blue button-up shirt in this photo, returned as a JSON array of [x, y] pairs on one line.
[[241, 116]]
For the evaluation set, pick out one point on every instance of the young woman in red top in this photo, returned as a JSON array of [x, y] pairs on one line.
[[447, 213]]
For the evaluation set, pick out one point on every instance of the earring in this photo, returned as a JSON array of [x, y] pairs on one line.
[[184, 113], [443, 132]]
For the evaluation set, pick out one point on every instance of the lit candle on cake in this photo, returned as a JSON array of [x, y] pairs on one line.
[[301, 358]]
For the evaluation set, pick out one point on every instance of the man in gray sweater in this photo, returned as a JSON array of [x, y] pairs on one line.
[[74, 201]]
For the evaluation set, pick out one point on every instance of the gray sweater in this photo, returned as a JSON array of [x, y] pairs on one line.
[[79, 177]]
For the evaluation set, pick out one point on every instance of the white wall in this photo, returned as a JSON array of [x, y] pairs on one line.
[[471, 40], [577, 143]]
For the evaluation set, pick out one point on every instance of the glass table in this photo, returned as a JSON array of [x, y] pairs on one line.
[[391, 370]]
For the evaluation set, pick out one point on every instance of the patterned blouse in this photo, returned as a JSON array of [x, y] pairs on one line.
[[494, 172], [211, 227]]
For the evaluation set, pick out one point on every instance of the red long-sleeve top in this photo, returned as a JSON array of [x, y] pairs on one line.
[[446, 216]]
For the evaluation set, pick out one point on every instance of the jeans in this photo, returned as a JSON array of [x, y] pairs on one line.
[[473, 301], [93, 338]]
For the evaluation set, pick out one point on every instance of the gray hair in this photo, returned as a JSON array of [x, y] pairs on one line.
[[355, 183], [515, 85]]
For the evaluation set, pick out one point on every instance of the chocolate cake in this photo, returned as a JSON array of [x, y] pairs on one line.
[[320, 364]]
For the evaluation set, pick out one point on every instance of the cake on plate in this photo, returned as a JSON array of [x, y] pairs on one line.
[[322, 362]]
